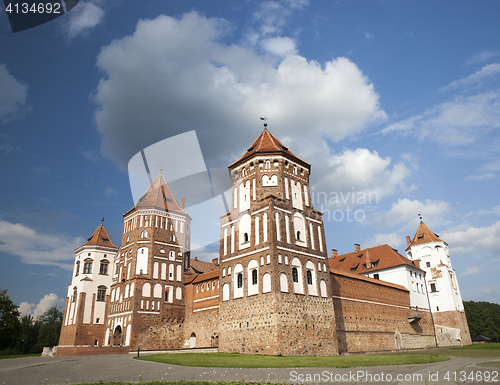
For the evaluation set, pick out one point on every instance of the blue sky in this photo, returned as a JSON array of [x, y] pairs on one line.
[[394, 103]]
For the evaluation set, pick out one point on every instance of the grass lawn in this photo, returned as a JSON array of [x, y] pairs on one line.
[[475, 351], [20, 355], [230, 360]]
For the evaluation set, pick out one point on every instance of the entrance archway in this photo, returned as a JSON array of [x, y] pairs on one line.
[[117, 336], [192, 340]]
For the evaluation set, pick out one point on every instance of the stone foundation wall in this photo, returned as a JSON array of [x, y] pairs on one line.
[[65, 351], [278, 324], [451, 328], [153, 332]]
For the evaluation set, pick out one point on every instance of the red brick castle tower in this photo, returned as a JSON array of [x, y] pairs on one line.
[[276, 292], [147, 295]]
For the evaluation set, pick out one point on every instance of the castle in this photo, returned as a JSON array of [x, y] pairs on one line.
[[273, 290]]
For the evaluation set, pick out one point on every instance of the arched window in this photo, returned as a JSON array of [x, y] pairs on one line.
[[172, 237], [146, 290], [266, 283], [244, 228], [283, 283], [103, 269], [238, 281], [309, 277], [101, 293], [144, 234], [322, 288], [157, 291], [297, 276], [75, 293], [87, 266], [298, 236], [244, 172], [225, 292], [254, 277], [268, 164], [142, 261], [77, 268]]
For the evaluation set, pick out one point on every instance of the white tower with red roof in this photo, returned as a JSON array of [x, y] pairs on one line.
[[86, 303], [442, 286]]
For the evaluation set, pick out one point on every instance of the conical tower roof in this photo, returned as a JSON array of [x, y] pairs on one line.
[[100, 237], [159, 196], [267, 143], [424, 235]]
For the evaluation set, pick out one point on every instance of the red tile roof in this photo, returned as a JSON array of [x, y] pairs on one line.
[[159, 196], [423, 235], [267, 143], [204, 277], [366, 279], [200, 267], [100, 237], [384, 256]]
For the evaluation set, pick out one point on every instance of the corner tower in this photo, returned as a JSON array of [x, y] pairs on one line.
[[147, 296], [276, 292], [442, 286], [86, 302]]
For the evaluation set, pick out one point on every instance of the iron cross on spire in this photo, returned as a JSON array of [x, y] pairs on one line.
[[265, 122]]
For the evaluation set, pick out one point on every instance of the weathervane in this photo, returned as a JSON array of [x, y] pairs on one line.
[[265, 122], [161, 167], [420, 216], [102, 220]]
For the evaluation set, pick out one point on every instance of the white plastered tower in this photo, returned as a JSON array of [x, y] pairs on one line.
[[442, 286], [85, 310]]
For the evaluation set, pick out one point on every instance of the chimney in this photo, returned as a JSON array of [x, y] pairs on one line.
[[183, 203], [356, 248], [368, 259], [195, 258], [215, 261], [334, 253], [408, 240]]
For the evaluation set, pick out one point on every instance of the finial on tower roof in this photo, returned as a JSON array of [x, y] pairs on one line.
[[161, 167], [265, 122], [420, 216], [102, 220]]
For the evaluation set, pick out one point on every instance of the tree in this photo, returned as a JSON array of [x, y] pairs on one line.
[[9, 322], [483, 318], [50, 327], [28, 335]]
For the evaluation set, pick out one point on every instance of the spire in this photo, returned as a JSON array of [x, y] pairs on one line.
[[100, 237], [424, 235], [159, 196], [267, 143]]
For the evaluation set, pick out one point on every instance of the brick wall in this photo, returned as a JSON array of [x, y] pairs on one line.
[[372, 315]]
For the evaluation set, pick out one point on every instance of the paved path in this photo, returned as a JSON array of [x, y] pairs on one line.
[[71, 370]]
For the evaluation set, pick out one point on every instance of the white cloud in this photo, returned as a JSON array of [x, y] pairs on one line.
[[485, 72], [110, 191], [471, 270], [486, 171], [35, 248], [459, 122], [82, 18], [279, 46], [36, 310], [13, 96], [369, 35], [392, 239], [356, 177], [406, 211], [174, 75], [475, 240], [482, 57]]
